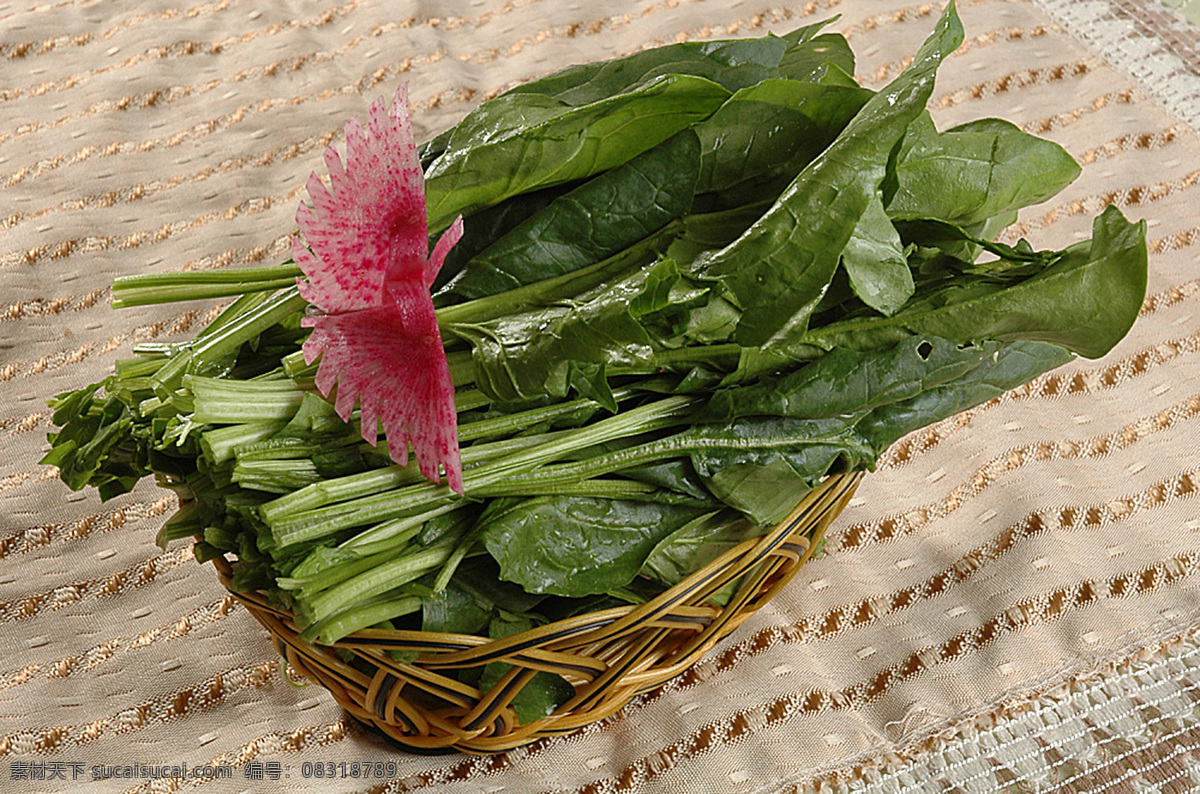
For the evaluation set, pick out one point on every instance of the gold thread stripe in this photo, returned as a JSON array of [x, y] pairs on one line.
[[177, 49], [1093, 205], [86, 661], [1185, 485], [213, 125], [1169, 297], [163, 96], [1141, 141], [996, 36], [1045, 75], [899, 15], [171, 707], [16, 426], [92, 243], [1174, 242], [976, 482], [43, 47], [31, 539], [110, 586], [49, 307], [27, 49], [63, 358], [227, 121], [1128, 96], [12, 481], [139, 191], [1037, 523]]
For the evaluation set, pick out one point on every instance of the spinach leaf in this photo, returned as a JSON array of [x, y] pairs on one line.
[[577, 546], [521, 142], [975, 171], [483, 228], [1085, 301], [762, 466], [529, 352], [533, 353], [696, 544], [875, 261], [769, 132], [779, 269], [847, 381], [807, 56], [733, 63], [599, 218], [1011, 366], [454, 611]]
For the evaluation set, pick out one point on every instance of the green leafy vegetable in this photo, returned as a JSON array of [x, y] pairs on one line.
[[693, 282]]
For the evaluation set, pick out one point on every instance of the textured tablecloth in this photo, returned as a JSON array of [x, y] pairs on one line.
[[1009, 601]]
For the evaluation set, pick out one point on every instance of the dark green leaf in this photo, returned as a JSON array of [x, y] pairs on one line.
[[601, 217], [975, 171], [847, 381], [779, 269], [875, 262], [696, 544], [763, 466], [1012, 366], [522, 142], [769, 132], [579, 546], [1086, 301], [454, 611]]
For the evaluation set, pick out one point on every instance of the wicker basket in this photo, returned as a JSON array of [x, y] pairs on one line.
[[609, 656]]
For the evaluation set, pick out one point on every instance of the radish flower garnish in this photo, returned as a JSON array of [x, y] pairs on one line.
[[369, 270]]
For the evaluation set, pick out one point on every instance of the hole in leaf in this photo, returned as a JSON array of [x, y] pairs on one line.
[[923, 350]]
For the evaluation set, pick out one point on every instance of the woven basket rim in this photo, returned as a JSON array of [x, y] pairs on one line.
[[674, 631]]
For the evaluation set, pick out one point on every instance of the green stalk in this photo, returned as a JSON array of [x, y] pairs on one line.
[[378, 580], [218, 444], [534, 486], [292, 528], [396, 531], [367, 483], [334, 574], [541, 292], [275, 476], [153, 288], [348, 621], [140, 367], [220, 401], [227, 340]]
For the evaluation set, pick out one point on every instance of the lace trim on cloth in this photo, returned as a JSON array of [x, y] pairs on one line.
[[1148, 41], [1130, 728]]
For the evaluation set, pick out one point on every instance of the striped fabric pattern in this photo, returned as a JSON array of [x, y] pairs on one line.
[[1010, 600]]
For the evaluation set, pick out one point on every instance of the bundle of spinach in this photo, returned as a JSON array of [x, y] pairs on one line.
[[694, 281]]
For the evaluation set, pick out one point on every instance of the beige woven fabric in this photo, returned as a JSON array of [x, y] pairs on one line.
[[1007, 599]]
